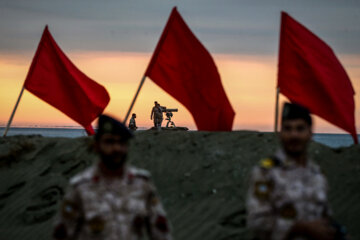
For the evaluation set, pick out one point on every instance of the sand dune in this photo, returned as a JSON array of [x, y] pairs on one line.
[[201, 177]]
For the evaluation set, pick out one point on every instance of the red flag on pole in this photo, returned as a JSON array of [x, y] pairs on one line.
[[56, 80], [311, 75], [184, 68]]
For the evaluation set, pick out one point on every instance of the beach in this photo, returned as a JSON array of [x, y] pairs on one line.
[[202, 178]]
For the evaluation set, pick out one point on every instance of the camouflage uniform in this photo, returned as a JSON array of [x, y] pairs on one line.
[[96, 207], [281, 193]]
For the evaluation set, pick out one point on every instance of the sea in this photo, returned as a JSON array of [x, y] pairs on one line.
[[330, 139]]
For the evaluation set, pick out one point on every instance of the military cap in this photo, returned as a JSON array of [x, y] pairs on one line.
[[295, 111], [108, 124]]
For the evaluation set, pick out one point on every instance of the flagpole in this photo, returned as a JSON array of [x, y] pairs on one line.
[[277, 109], [133, 101], [13, 113]]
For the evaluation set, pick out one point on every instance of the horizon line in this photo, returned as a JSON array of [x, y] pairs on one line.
[[145, 128]]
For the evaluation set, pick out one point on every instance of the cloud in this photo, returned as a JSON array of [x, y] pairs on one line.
[[229, 26]]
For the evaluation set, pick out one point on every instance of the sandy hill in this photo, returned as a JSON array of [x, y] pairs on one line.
[[201, 177]]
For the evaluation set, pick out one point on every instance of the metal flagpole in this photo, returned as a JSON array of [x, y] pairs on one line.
[[133, 101], [13, 113], [277, 109]]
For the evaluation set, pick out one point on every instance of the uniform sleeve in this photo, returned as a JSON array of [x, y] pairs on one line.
[[158, 224], [261, 216], [322, 195], [69, 220]]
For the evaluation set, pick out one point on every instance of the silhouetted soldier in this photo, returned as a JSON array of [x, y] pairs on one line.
[[153, 110], [132, 122], [112, 200], [287, 198], [157, 113]]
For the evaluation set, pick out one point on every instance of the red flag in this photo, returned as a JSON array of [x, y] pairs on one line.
[[311, 75], [184, 68], [56, 80]]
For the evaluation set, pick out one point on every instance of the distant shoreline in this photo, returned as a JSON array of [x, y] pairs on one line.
[[144, 128]]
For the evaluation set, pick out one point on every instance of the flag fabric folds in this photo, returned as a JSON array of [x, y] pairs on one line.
[[183, 68], [311, 75], [56, 80]]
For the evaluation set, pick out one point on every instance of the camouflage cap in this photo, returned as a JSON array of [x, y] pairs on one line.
[[107, 124], [293, 111]]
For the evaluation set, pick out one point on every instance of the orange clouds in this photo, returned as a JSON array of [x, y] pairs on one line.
[[249, 82]]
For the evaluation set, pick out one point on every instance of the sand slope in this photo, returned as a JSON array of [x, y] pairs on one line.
[[201, 177]]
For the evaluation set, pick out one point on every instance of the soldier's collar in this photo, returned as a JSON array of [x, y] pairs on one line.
[[104, 172], [281, 156], [290, 162]]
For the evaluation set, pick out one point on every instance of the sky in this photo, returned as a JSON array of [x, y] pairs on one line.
[[112, 41]]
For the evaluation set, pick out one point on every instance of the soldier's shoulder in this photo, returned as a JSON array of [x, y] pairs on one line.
[[269, 163], [83, 177], [315, 168], [139, 173]]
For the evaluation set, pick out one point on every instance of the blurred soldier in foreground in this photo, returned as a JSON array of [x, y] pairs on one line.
[[132, 122], [287, 198], [112, 200]]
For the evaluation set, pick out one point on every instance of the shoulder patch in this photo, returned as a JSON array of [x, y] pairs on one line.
[[140, 173], [263, 189], [268, 163], [84, 176], [70, 209]]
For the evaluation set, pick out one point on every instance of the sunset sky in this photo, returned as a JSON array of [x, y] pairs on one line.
[[112, 41]]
